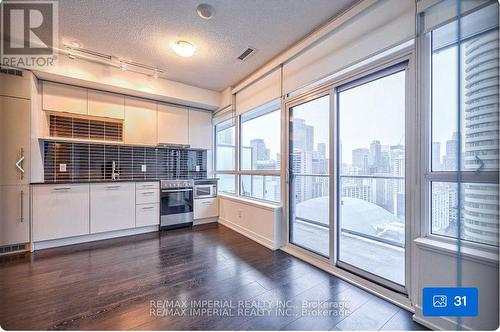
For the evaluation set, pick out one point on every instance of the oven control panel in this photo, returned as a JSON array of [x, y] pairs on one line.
[[172, 184]]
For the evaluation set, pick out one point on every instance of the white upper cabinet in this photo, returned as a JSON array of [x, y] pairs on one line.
[[140, 122], [16, 86], [200, 129], [64, 98], [15, 141], [172, 124], [106, 104]]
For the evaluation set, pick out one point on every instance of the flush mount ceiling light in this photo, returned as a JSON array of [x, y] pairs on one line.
[[205, 11], [184, 48]]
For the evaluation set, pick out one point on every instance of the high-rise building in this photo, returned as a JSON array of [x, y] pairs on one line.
[[360, 159], [436, 156], [303, 136], [481, 203], [357, 189], [259, 150], [444, 207], [321, 150], [450, 159], [375, 157]]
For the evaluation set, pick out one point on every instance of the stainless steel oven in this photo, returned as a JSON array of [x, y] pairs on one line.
[[176, 203]]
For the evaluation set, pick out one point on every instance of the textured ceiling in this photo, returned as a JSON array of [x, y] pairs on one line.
[[142, 31]]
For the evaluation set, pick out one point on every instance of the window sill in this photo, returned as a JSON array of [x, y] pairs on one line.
[[252, 202], [473, 254]]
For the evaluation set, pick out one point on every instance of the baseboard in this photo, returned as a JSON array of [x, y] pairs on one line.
[[92, 237], [375, 289], [205, 221], [249, 234]]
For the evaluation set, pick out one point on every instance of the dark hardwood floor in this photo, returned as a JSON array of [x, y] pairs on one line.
[[117, 284]]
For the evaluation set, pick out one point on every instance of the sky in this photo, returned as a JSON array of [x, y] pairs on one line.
[[266, 127], [372, 111], [316, 114]]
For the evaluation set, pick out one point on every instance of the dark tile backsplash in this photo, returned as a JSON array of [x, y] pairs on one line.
[[94, 162]]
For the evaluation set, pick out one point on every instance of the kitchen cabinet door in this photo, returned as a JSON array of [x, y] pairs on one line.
[[140, 125], [16, 86], [15, 140], [147, 215], [112, 206], [172, 124], [14, 215], [205, 208], [106, 104], [60, 211], [200, 129], [147, 196], [64, 98]]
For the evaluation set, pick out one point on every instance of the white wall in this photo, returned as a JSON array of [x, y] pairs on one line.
[[99, 76], [260, 222], [437, 267]]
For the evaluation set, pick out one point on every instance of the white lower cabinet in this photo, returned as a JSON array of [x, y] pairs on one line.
[[60, 211], [144, 196], [147, 198], [147, 215], [206, 208], [112, 206], [14, 215], [68, 210]]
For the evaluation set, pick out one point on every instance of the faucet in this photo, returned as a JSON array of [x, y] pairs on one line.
[[114, 174]]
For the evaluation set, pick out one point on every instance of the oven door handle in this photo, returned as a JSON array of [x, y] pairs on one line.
[[176, 190]]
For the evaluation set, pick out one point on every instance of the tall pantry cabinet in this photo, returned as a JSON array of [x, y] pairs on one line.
[[15, 124]]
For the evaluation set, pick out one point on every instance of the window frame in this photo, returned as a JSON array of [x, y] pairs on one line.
[[379, 73], [230, 172], [238, 172], [429, 176]]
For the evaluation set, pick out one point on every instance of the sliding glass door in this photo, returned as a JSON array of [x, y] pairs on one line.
[[309, 212], [371, 177], [351, 210]]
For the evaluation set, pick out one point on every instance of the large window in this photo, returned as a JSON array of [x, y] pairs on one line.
[[225, 145], [260, 139], [475, 152], [256, 135]]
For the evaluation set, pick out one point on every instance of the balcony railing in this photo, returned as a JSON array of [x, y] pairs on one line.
[[343, 229]]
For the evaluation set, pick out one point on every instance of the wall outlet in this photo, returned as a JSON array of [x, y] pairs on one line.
[[143, 168], [240, 213], [62, 167]]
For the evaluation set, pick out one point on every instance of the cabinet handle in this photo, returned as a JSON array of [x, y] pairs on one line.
[[148, 193], [62, 188], [22, 206], [113, 187], [148, 207], [147, 185]]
